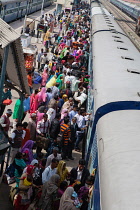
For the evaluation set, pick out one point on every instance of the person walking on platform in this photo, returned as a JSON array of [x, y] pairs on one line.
[[5, 122], [79, 173]]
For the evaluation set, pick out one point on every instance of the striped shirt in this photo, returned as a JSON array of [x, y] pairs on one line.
[[66, 133]]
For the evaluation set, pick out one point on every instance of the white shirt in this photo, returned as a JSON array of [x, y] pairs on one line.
[[50, 157], [47, 174], [42, 126], [23, 135], [79, 174]]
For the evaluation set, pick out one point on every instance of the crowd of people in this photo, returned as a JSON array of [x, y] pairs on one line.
[[57, 119]]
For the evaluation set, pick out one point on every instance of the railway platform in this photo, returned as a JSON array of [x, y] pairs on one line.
[[5, 203]]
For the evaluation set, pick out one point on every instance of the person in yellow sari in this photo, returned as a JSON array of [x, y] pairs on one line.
[[47, 35], [62, 171]]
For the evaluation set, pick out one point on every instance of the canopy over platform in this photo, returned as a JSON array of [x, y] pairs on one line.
[[15, 69]]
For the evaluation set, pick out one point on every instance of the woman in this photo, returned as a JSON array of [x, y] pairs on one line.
[[62, 171], [61, 190], [19, 165], [49, 192], [66, 202], [18, 110], [42, 96], [83, 195], [34, 102], [23, 199], [27, 149], [51, 114], [27, 135], [60, 81], [44, 77]]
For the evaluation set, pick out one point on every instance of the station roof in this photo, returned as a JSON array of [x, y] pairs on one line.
[[15, 69], [7, 34]]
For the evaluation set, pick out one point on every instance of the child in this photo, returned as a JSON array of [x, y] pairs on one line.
[[77, 202]]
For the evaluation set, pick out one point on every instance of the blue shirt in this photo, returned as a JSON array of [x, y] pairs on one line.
[[72, 114], [26, 104]]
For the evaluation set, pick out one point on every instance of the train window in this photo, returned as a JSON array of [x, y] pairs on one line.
[[115, 40], [118, 37], [111, 26], [122, 48], [134, 71], [127, 58]]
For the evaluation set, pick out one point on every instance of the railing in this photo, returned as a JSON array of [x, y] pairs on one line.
[[4, 147]]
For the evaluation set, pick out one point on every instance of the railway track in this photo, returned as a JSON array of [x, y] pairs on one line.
[[125, 22]]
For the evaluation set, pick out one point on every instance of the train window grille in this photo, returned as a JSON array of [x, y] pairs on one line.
[[122, 48], [115, 40], [127, 58]]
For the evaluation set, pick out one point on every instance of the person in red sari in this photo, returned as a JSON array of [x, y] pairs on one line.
[[27, 135], [34, 102]]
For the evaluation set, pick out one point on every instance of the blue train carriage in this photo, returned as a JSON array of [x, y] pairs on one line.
[[113, 138], [11, 10], [130, 9]]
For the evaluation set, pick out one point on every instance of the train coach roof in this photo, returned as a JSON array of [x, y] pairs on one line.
[[116, 57], [4, 2]]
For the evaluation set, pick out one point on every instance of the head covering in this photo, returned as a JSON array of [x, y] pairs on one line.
[[34, 162], [51, 114], [51, 185], [83, 192], [30, 169], [42, 95], [66, 202], [61, 171], [41, 109], [56, 148], [9, 111], [65, 97], [33, 115], [27, 148]]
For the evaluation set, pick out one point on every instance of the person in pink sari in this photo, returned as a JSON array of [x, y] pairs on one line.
[[40, 113], [44, 77], [34, 102], [42, 96]]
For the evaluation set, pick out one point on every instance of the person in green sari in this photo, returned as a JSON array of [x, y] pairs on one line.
[[19, 165], [18, 110], [60, 81]]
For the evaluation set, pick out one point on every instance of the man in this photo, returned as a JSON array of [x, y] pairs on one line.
[[30, 81], [39, 57], [50, 170], [80, 173], [55, 126], [82, 125], [43, 60], [32, 126], [5, 122], [73, 112], [16, 140], [66, 132], [68, 91], [48, 96], [53, 155], [68, 104], [53, 103], [74, 128], [42, 129], [55, 90], [6, 94]]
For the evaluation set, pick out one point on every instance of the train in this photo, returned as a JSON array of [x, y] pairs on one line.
[[130, 9], [113, 139], [11, 10]]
